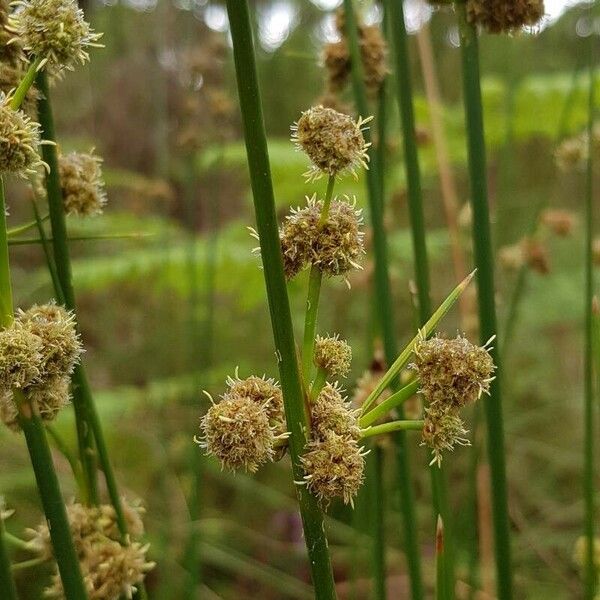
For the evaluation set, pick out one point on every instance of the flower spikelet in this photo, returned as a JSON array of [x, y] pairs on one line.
[[333, 141], [238, 433], [21, 357], [334, 468], [19, 141], [333, 355], [55, 31], [442, 431], [505, 16], [61, 346], [297, 236], [82, 184], [453, 373], [330, 412]]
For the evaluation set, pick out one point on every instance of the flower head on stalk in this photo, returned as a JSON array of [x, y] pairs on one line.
[[505, 16], [332, 140], [333, 355], [81, 183]]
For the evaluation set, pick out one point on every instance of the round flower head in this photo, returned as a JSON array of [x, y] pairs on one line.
[[505, 16], [333, 355], [297, 236], [340, 241], [265, 392], [336, 59], [82, 184], [238, 433], [333, 141], [334, 468], [442, 430], [61, 346], [453, 373], [511, 257], [535, 254], [21, 357], [331, 414], [560, 222], [571, 153], [55, 31], [373, 50], [19, 141]]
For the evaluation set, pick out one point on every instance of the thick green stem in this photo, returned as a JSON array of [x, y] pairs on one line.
[[62, 262], [266, 220], [312, 301], [394, 401], [386, 313], [589, 488], [392, 427], [486, 290], [7, 584]]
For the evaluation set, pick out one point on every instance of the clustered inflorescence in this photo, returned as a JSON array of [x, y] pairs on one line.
[[337, 61], [453, 374], [53, 31], [81, 183], [505, 16], [38, 353], [111, 569], [572, 153]]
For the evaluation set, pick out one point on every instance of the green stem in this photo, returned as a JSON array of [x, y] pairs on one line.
[[378, 528], [6, 301], [17, 542], [312, 301], [384, 296], [26, 83], [52, 501], [7, 584], [589, 488], [393, 426], [25, 227], [483, 253], [62, 261], [441, 591], [27, 564], [394, 401], [318, 383], [264, 204]]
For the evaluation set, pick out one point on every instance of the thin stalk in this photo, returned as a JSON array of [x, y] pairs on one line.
[[386, 312], [486, 289], [312, 301], [378, 528], [17, 542], [80, 238], [264, 205], [441, 593], [7, 584], [26, 83], [589, 491], [391, 427], [394, 401], [62, 261], [25, 227], [27, 564], [318, 383]]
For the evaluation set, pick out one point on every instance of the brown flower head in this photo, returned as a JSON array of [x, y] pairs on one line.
[[21, 357], [505, 16], [560, 222], [442, 431], [82, 184], [331, 413]]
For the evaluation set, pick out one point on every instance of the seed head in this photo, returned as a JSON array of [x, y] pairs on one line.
[[297, 236], [19, 141], [333, 141], [333, 355], [453, 373], [55, 327], [505, 16], [571, 153], [535, 254], [82, 184], [334, 468], [21, 357], [55, 31], [443, 430], [330, 413], [237, 432], [266, 393], [10, 53], [560, 222], [336, 59]]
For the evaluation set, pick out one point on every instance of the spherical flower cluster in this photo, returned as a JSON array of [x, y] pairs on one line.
[[333, 355], [452, 374], [334, 246], [11, 52], [573, 152], [110, 569], [505, 16], [333, 462], [54, 31], [560, 222], [244, 428], [19, 141], [38, 353], [82, 184], [333, 141]]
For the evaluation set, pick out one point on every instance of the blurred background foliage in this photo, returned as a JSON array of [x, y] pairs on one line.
[[177, 307]]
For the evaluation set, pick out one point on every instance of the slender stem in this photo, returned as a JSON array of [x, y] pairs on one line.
[[389, 404], [312, 301], [63, 270], [264, 204], [26, 83], [441, 591], [378, 528], [589, 488], [25, 227], [391, 427], [486, 290], [6, 301], [27, 564], [386, 312], [52, 500], [17, 542], [8, 590], [318, 383]]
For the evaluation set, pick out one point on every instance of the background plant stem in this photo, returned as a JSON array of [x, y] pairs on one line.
[[7, 584], [486, 289], [266, 220]]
